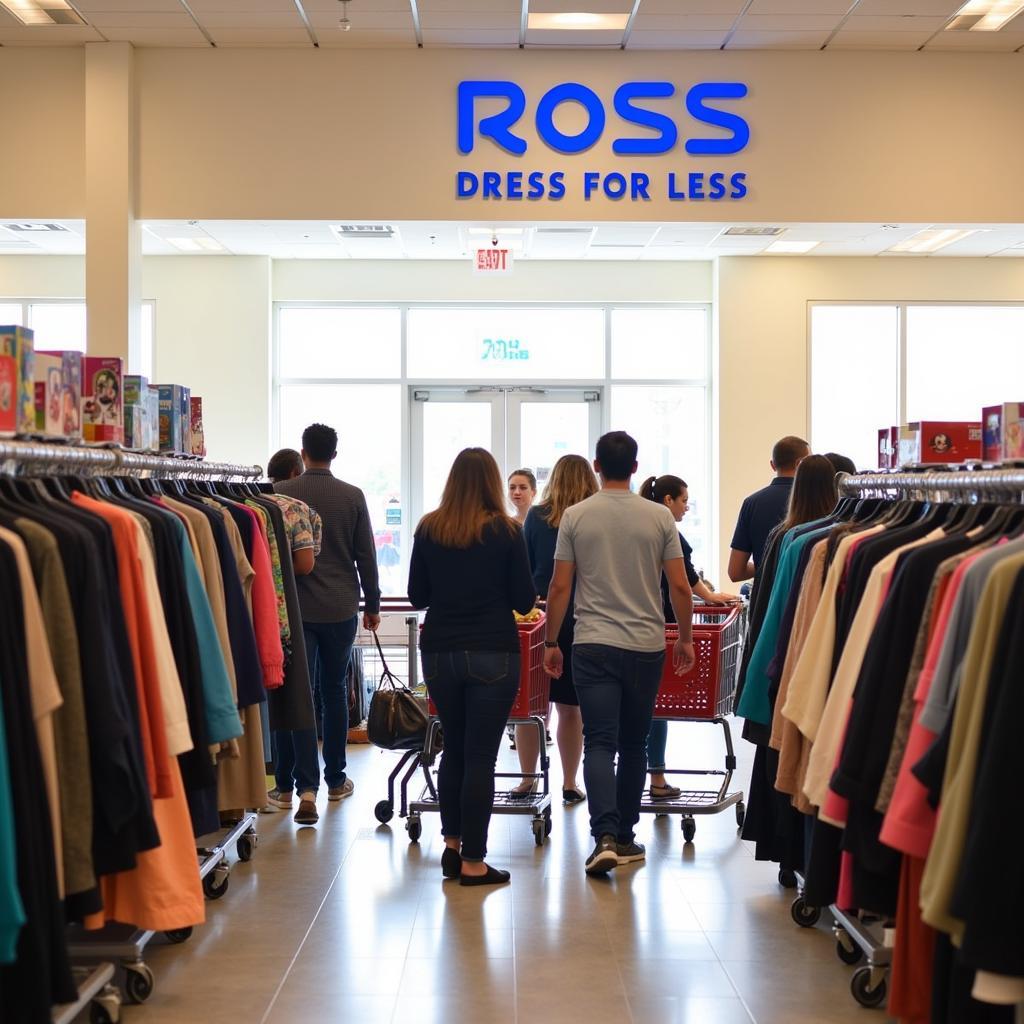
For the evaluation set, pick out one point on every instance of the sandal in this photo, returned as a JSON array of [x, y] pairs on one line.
[[573, 796]]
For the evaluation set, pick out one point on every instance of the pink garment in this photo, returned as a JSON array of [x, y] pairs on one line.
[[264, 605]]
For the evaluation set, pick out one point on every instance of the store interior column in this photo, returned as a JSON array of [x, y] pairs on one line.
[[113, 261]]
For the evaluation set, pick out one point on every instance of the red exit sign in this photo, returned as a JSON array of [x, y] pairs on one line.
[[493, 261]]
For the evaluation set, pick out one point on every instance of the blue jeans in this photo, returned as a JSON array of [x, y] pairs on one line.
[[328, 651], [617, 690], [473, 692], [657, 739]]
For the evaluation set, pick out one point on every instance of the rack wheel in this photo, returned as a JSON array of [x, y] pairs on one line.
[[741, 814], [245, 846], [178, 935], [847, 950], [860, 986], [215, 884], [787, 878], [689, 829], [138, 982], [384, 811], [538, 831], [804, 914], [415, 829]]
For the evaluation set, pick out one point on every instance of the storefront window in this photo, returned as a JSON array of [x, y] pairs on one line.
[[368, 419], [854, 378], [12, 313], [58, 325], [961, 358], [655, 344], [485, 343], [340, 342]]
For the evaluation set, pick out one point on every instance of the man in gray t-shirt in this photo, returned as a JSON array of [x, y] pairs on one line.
[[617, 545]]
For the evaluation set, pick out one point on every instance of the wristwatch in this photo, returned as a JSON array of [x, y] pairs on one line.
[[550, 643]]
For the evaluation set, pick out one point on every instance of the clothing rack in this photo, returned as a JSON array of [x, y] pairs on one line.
[[955, 485], [113, 460]]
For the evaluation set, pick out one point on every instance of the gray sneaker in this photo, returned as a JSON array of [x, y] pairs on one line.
[[631, 852], [279, 798], [342, 792], [604, 858]]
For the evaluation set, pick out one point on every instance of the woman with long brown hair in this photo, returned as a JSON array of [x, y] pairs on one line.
[[470, 571], [572, 480]]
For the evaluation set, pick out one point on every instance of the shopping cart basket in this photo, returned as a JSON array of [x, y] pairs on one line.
[[530, 707], [704, 694]]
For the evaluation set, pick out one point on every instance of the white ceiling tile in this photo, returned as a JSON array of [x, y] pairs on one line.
[[369, 39], [643, 40], [789, 22], [572, 40], [679, 8], [624, 234], [622, 253], [808, 8], [777, 40], [250, 19], [470, 6], [50, 35], [243, 6], [470, 37], [895, 23], [141, 19], [364, 20], [854, 39], [261, 37], [924, 8], [559, 242], [157, 36], [366, 6], [591, 6], [469, 22], [670, 235], [88, 7], [997, 42], [683, 22]]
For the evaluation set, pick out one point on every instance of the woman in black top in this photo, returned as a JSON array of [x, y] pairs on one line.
[[572, 480], [469, 570], [672, 492]]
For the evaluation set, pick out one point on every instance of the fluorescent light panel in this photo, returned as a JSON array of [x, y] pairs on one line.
[[932, 239], [42, 12], [986, 15], [792, 248], [195, 244], [576, 21]]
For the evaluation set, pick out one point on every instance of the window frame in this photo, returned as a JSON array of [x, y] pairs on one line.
[[902, 306]]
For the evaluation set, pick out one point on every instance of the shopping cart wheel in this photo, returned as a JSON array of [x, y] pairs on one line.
[[138, 982], [415, 828], [384, 811], [741, 813], [689, 829], [804, 914], [178, 935], [847, 950], [538, 831], [245, 846], [787, 878], [860, 986], [215, 884]]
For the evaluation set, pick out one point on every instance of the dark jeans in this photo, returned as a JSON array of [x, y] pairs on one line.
[[328, 651], [474, 692], [617, 690]]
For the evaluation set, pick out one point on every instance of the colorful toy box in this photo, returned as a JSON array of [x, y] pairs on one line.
[[71, 391], [49, 387], [8, 395], [196, 423], [1003, 431], [175, 418], [939, 442], [888, 447], [102, 399], [17, 343], [141, 414]]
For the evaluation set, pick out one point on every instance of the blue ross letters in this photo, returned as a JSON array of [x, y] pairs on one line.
[[718, 118], [496, 126], [662, 123]]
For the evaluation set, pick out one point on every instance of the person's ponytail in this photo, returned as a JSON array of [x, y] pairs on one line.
[[647, 488]]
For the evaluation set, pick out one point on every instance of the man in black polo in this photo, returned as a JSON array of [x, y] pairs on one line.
[[329, 599], [763, 510]]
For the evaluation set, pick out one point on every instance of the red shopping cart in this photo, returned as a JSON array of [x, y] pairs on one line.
[[704, 694], [530, 707]]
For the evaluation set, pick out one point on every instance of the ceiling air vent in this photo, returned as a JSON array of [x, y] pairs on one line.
[[350, 231], [761, 232], [34, 227]]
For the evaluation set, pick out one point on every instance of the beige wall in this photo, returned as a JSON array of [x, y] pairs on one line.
[[42, 277], [761, 308]]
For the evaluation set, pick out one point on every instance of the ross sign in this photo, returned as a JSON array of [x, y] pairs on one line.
[[649, 125], [492, 261]]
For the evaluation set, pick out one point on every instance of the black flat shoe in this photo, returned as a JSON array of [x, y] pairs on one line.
[[493, 876], [573, 796], [451, 863]]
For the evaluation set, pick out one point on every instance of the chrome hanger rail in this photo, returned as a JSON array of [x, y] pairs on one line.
[[961, 485], [29, 456]]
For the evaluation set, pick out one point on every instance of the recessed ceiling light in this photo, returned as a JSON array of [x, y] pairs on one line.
[[792, 248], [575, 21], [42, 12], [932, 239], [985, 15]]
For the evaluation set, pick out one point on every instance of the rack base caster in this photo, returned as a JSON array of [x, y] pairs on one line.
[[138, 982], [846, 949], [869, 987], [804, 914], [247, 843], [215, 884]]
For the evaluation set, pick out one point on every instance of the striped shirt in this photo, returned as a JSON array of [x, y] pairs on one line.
[[330, 593]]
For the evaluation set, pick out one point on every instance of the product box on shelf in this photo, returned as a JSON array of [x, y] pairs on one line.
[[102, 399], [175, 418], [936, 441], [16, 342], [140, 420], [8, 395], [196, 424], [1003, 431], [72, 368], [888, 447], [151, 400], [49, 389]]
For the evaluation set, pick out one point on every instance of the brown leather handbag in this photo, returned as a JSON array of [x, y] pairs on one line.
[[397, 718]]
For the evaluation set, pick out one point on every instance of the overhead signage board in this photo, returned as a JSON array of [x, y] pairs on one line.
[[647, 119]]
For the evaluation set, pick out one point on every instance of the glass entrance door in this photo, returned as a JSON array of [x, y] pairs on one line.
[[522, 427]]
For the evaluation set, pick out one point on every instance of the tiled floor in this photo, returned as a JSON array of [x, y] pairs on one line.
[[348, 922]]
